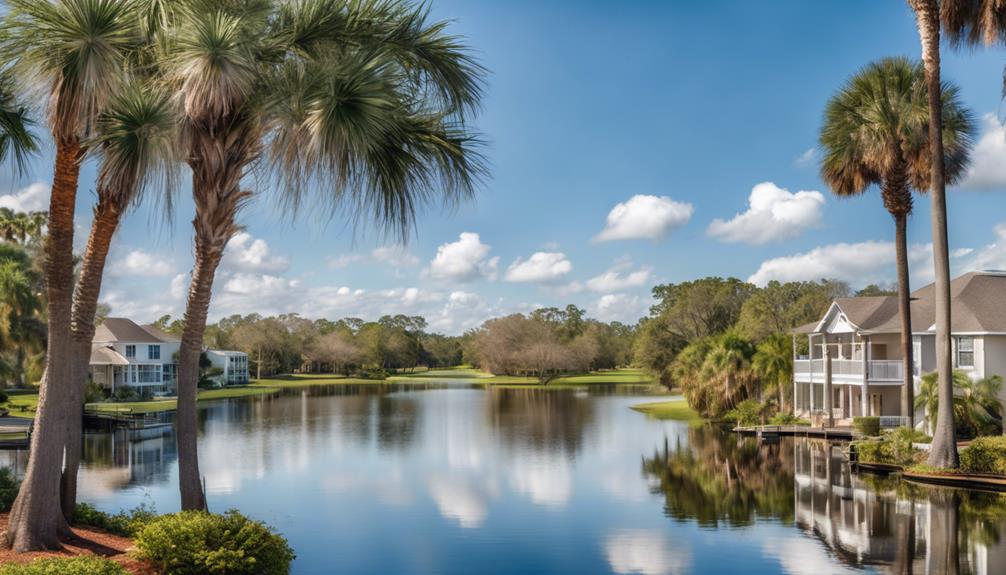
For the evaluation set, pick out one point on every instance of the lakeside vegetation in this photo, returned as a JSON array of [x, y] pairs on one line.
[[676, 409]]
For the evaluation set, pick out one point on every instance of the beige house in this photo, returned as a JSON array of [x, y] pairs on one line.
[[862, 336]]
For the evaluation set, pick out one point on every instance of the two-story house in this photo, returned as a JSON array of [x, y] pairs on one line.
[[863, 337], [142, 357]]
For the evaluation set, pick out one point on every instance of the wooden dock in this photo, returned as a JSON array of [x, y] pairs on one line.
[[125, 418], [771, 432]]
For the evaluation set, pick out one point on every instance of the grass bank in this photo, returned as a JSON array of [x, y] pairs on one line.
[[170, 404], [21, 404], [676, 409], [606, 377], [309, 379]]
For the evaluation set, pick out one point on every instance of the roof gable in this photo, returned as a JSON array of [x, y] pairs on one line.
[[120, 329]]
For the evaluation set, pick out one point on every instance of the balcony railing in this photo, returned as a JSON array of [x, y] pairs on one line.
[[880, 370]]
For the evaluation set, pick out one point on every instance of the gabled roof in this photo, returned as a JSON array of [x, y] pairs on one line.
[[977, 306], [120, 329], [159, 333], [101, 355]]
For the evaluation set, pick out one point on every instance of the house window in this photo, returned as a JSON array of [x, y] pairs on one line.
[[153, 352], [130, 351], [965, 351], [148, 374]]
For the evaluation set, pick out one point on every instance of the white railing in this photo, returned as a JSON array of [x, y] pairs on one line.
[[801, 366], [890, 369], [880, 370]]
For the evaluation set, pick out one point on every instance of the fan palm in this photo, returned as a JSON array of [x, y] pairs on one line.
[[136, 143], [363, 102], [976, 402], [876, 133], [975, 23], [71, 55], [729, 362], [943, 452], [16, 140], [20, 330], [773, 363]]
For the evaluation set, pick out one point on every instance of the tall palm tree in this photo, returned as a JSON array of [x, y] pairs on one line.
[[773, 363], [71, 52], [943, 452], [876, 132], [975, 23], [136, 144], [16, 140], [20, 307], [729, 362], [363, 103]]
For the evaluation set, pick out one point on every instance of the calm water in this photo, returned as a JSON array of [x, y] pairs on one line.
[[397, 480]]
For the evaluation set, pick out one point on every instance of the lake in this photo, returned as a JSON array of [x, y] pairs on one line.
[[444, 479]]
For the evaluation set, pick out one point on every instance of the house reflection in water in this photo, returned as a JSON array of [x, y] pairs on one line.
[[894, 526], [123, 458]]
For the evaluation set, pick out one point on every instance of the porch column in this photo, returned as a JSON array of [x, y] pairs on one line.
[[810, 386], [793, 378], [828, 392], [865, 390], [851, 403]]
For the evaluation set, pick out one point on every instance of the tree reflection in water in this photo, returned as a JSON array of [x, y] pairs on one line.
[[543, 420], [862, 521]]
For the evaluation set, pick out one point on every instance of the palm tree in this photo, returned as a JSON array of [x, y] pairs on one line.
[[773, 363], [364, 103], [943, 452], [72, 51], [21, 227], [136, 144], [875, 132], [16, 140], [974, 23], [976, 402], [729, 362]]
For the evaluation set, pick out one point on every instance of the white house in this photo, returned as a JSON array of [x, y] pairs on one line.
[[234, 366], [863, 337], [124, 353]]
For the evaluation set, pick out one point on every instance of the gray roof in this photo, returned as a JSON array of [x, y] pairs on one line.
[[976, 301], [116, 329], [159, 333]]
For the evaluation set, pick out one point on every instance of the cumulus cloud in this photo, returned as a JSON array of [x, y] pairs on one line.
[[618, 307], [463, 261], [645, 551], [541, 267], [32, 198], [988, 170], [773, 214], [619, 278], [645, 217], [247, 254], [141, 263], [859, 264], [394, 256]]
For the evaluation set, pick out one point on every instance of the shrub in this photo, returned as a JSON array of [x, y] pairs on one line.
[[199, 543], [125, 393], [787, 419], [85, 565], [893, 448], [124, 523], [985, 455], [9, 486], [867, 425], [94, 393], [747, 412]]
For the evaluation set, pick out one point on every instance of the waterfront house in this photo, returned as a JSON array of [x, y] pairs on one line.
[[233, 366], [863, 337], [124, 353]]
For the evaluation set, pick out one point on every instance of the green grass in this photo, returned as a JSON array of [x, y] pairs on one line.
[[676, 409], [22, 405], [614, 376], [170, 404], [309, 379]]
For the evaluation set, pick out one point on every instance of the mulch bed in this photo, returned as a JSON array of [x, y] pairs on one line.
[[88, 541]]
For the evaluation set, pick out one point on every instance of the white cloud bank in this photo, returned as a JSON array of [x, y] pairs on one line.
[[645, 217], [141, 263], [32, 198], [773, 214], [394, 256], [463, 261], [614, 279], [988, 170], [248, 254], [541, 267], [859, 264], [619, 307]]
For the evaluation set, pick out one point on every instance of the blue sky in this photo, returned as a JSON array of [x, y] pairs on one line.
[[588, 105]]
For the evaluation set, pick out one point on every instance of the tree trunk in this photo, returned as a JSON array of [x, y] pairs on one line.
[[36, 521], [944, 448], [85, 305], [200, 292], [905, 309]]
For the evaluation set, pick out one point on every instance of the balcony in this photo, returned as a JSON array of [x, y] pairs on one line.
[[850, 370]]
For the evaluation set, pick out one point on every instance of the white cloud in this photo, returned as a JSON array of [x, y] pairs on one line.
[[141, 263], [541, 267], [618, 307], [988, 170], [463, 261], [245, 253], [32, 198], [799, 555], [615, 280], [394, 256], [773, 214], [645, 217], [859, 264], [645, 551], [547, 482], [806, 157], [459, 499]]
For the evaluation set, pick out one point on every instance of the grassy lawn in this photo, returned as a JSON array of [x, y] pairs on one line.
[[676, 409], [169, 404], [22, 405], [308, 379], [619, 376]]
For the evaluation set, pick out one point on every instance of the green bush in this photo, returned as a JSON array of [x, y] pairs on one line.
[[3, 396], [94, 393], [747, 412], [787, 419], [125, 394], [867, 425], [985, 455], [124, 523], [9, 486], [198, 543], [72, 566], [893, 448]]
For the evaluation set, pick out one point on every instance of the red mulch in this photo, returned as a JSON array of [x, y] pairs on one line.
[[88, 541]]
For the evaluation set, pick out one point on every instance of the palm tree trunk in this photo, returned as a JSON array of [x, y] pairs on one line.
[[36, 521], [85, 305], [905, 309], [944, 448]]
